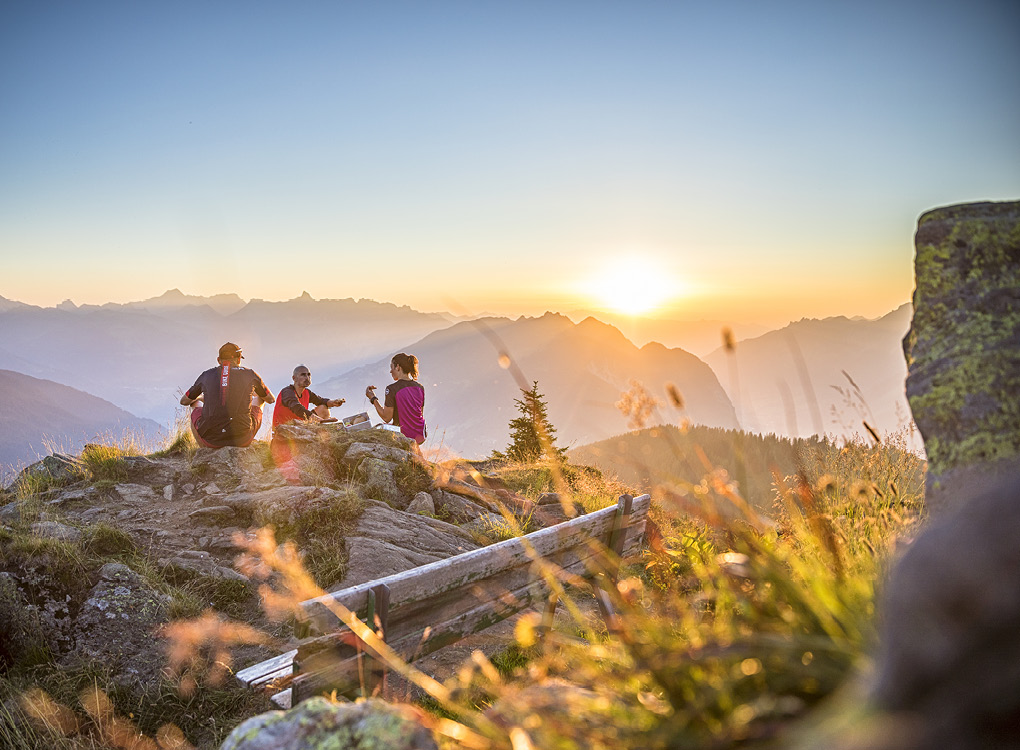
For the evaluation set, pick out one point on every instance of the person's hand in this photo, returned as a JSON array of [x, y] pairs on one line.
[[336, 402], [370, 392], [313, 417]]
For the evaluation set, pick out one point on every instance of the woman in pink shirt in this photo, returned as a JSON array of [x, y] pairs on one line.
[[404, 403]]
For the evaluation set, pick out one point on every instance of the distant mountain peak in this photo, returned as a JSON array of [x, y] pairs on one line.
[[67, 304], [222, 303], [10, 304]]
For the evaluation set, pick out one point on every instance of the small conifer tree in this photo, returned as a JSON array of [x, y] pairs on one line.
[[532, 436]]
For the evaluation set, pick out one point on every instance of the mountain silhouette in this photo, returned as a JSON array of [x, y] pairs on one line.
[[39, 415], [820, 377], [139, 355], [582, 369]]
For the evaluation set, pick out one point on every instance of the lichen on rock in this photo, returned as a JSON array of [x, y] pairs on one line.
[[318, 724], [963, 347]]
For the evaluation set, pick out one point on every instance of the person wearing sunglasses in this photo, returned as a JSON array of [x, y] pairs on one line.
[[297, 402]]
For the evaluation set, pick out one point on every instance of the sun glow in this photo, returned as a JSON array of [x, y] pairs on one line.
[[633, 286]]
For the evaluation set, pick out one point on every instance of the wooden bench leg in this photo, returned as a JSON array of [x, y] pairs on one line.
[[614, 545], [376, 673], [548, 616]]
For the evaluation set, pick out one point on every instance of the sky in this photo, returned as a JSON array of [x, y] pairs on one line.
[[738, 161]]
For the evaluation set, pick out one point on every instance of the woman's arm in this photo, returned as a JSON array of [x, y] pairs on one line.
[[385, 412]]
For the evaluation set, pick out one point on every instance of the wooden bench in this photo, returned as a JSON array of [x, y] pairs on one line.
[[421, 610]]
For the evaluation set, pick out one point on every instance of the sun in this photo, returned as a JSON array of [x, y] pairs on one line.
[[632, 286]]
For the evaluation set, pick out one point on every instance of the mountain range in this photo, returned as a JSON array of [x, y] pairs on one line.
[[141, 355], [699, 337], [813, 376], [820, 377], [473, 371], [40, 416]]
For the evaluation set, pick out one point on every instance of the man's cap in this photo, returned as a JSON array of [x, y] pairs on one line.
[[229, 351]]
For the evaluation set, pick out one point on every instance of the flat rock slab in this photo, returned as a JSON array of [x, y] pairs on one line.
[[213, 513], [203, 566], [58, 531], [358, 451], [136, 493], [458, 507], [389, 541], [280, 503]]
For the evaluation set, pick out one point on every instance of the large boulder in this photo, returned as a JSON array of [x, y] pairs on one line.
[[388, 541], [281, 505], [963, 347], [115, 626], [457, 508], [318, 723], [358, 451], [57, 468], [950, 653], [237, 467], [381, 483]]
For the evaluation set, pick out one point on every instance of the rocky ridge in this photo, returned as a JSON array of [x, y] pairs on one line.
[[98, 555]]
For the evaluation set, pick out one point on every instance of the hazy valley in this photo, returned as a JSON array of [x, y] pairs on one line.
[[139, 356]]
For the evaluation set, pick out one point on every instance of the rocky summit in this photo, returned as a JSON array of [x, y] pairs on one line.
[[101, 551]]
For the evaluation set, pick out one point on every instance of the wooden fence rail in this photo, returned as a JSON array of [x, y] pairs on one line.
[[421, 610]]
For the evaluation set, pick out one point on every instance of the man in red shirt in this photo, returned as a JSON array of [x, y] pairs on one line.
[[229, 413], [295, 403]]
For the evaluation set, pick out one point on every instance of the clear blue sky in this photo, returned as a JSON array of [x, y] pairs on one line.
[[765, 160]]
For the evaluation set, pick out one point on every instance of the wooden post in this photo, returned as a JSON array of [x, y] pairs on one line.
[[620, 523], [614, 544], [382, 614], [374, 671], [548, 616]]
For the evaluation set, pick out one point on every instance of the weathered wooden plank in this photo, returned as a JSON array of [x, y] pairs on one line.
[[280, 677], [269, 669], [456, 572], [413, 616], [413, 619], [466, 594], [338, 668]]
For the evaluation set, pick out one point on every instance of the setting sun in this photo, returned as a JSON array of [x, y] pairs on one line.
[[633, 286]]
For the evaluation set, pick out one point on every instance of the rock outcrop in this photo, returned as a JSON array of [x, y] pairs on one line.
[[951, 624], [388, 541], [100, 553], [963, 347], [317, 723], [116, 625], [950, 616]]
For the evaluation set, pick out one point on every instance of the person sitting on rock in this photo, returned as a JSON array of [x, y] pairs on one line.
[[294, 401], [295, 404], [405, 399], [227, 402]]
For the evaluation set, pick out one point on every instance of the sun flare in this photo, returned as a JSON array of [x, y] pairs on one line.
[[632, 286]]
